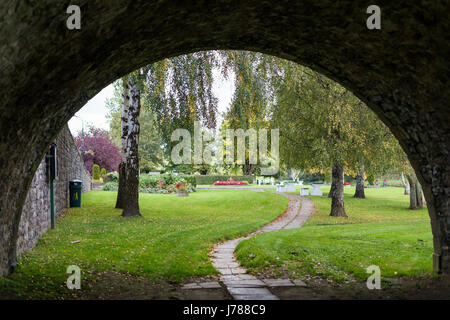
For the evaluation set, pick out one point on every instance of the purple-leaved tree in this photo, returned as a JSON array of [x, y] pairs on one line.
[[99, 149]]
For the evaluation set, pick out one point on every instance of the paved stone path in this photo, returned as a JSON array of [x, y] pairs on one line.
[[244, 286], [97, 186]]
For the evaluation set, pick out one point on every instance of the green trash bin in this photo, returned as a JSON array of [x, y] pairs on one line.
[[75, 193]]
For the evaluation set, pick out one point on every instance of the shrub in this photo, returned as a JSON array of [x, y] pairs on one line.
[[96, 172], [111, 177], [153, 181], [110, 186], [102, 172], [165, 183]]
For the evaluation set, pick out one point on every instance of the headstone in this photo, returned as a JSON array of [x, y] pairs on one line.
[[282, 188], [316, 190], [290, 187], [304, 191]]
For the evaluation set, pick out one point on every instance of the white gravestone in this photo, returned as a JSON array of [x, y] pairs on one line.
[[290, 187], [316, 190], [304, 191]]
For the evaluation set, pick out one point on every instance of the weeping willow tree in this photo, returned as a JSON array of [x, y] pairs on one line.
[[249, 108], [175, 92], [322, 124], [179, 92]]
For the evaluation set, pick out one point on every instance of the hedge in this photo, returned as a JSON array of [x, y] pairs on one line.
[[207, 180]]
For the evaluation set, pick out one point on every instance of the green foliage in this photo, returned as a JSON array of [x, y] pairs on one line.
[[210, 179], [179, 92], [176, 92], [110, 186], [327, 177], [146, 180], [111, 177], [334, 125], [371, 179], [96, 172], [249, 108], [102, 172]]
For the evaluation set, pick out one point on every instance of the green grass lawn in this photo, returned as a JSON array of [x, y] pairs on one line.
[[380, 231], [171, 241]]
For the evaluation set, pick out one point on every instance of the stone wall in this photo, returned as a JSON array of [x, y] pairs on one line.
[[35, 218]]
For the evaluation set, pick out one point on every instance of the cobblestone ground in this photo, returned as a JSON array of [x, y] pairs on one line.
[[243, 286]]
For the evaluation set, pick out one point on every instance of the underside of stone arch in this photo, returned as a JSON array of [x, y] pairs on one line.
[[48, 72]]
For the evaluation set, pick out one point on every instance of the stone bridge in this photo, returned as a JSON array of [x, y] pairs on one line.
[[48, 72]]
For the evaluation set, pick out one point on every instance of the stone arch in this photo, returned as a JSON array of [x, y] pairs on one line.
[[48, 72]]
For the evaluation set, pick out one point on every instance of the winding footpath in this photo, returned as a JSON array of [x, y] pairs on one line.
[[244, 286]]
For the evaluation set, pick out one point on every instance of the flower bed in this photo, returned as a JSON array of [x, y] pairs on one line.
[[231, 182], [162, 186]]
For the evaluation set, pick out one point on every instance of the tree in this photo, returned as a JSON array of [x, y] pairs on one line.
[[337, 192], [128, 191], [324, 124], [151, 146], [250, 103], [130, 197], [100, 149], [95, 172], [175, 93], [415, 194], [400, 163], [405, 184], [312, 112], [179, 92], [359, 190], [123, 139]]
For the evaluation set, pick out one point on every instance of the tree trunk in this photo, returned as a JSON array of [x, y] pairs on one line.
[[124, 137], [332, 184], [406, 184], [249, 169], [415, 195], [121, 189], [130, 197], [359, 192], [330, 194], [337, 194]]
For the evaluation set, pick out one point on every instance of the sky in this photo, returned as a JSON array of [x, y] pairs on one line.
[[94, 112]]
